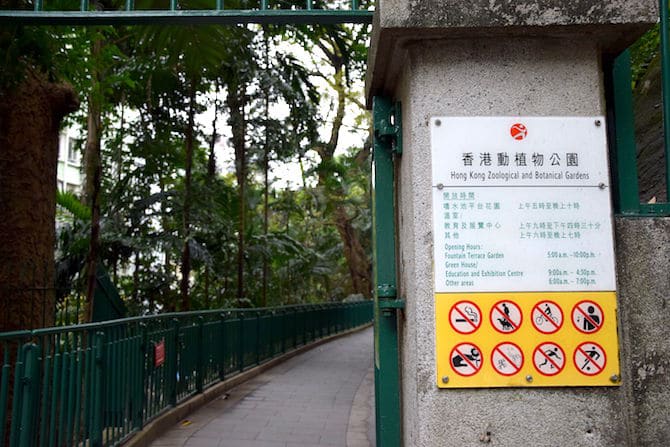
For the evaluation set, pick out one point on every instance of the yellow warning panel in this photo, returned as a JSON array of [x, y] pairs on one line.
[[526, 339]]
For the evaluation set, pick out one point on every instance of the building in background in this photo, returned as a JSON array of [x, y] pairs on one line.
[[69, 175]]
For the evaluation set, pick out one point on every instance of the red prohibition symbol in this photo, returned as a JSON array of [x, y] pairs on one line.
[[588, 317], [465, 317], [518, 131], [506, 317], [548, 359], [590, 359], [507, 359], [547, 317], [466, 359]]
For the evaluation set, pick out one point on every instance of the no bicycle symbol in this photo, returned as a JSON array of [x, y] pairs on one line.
[[506, 317], [549, 359], [547, 317], [588, 317], [507, 359], [590, 358], [465, 317], [466, 359]]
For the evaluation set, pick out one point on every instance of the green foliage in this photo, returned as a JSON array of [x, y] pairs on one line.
[[643, 52], [145, 76]]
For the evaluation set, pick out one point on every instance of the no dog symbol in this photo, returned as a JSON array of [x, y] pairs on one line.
[[549, 359], [588, 317], [507, 359], [590, 359], [506, 317], [465, 317], [466, 359]]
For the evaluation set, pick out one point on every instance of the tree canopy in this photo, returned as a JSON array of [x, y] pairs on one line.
[[176, 226]]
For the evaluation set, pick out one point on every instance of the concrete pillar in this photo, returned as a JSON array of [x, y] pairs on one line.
[[522, 58]]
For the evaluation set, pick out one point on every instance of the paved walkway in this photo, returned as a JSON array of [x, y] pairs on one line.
[[320, 398]]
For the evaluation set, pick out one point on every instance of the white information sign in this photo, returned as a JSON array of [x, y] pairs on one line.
[[521, 204]]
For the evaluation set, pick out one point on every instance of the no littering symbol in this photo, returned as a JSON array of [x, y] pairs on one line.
[[465, 317], [547, 317], [506, 317], [588, 317], [548, 359], [466, 359], [507, 359], [590, 359]]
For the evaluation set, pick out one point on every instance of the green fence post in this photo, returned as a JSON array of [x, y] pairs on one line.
[[174, 364], [16, 400], [138, 400], [200, 355], [98, 387], [271, 334], [4, 390], [258, 338], [223, 342], [387, 143], [295, 327], [240, 351], [29, 393], [282, 315]]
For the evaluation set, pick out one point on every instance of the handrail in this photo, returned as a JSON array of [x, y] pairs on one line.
[[266, 12], [97, 384]]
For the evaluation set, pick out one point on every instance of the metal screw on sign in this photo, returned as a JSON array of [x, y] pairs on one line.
[[601, 185], [598, 123], [529, 378], [438, 122], [440, 186], [445, 379], [615, 378]]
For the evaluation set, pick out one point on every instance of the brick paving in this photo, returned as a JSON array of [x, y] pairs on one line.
[[322, 397]]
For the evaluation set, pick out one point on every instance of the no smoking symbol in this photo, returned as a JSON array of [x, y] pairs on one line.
[[588, 317], [547, 317], [506, 317], [590, 359], [507, 359], [465, 317], [548, 359]]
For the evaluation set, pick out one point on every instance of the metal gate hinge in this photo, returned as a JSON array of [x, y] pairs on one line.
[[388, 125]]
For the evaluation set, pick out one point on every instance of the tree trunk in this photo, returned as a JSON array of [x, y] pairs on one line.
[[211, 161], [136, 278], [236, 102], [266, 169], [358, 260], [30, 117], [93, 171], [186, 251]]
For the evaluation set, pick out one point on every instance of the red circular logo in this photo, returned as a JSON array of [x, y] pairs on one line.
[[518, 131]]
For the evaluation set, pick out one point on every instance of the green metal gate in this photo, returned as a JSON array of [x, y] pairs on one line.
[[387, 146], [88, 348], [623, 150]]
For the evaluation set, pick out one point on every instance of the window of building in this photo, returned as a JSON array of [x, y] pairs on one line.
[[72, 152]]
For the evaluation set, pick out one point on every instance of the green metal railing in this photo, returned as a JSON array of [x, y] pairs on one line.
[[97, 384], [190, 12], [624, 153]]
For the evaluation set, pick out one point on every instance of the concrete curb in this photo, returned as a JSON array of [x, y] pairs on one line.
[[361, 418], [162, 423]]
